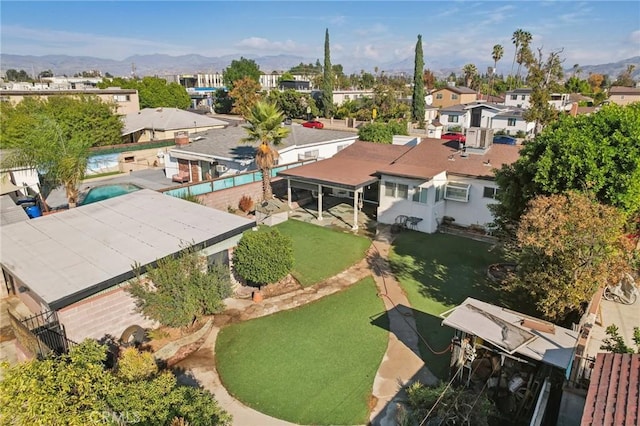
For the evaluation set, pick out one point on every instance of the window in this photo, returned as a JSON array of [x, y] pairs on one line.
[[511, 122], [396, 190], [121, 98], [439, 193], [454, 96], [452, 118], [455, 191], [514, 97], [420, 195], [439, 96], [523, 97], [490, 192], [129, 159]]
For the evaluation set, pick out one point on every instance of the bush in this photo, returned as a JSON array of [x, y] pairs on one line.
[[521, 134], [399, 127], [376, 132], [246, 204], [263, 257]]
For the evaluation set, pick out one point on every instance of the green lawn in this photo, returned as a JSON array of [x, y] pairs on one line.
[[320, 253], [311, 365], [438, 272]]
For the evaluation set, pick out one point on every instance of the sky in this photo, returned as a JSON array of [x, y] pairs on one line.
[[361, 32]]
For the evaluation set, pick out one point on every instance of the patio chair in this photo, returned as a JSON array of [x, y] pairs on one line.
[[400, 223], [181, 177]]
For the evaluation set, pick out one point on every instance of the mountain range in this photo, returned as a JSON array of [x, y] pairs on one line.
[[159, 65]]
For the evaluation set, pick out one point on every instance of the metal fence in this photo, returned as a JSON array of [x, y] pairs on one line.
[[41, 334], [226, 182]]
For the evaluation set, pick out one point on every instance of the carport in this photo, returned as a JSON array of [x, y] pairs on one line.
[[351, 172]]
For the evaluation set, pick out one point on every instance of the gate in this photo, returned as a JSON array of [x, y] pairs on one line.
[[41, 334]]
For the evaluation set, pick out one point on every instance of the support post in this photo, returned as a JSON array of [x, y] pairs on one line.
[[319, 202], [289, 192], [355, 210]]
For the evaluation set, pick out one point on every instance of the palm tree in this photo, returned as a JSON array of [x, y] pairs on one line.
[[516, 39], [470, 72], [524, 52], [497, 54], [265, 126]]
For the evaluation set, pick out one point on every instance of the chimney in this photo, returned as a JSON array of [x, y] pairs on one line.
[[574, 109], [182, 138]]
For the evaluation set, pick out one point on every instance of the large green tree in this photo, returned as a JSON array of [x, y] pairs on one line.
[[327, 80], [417, 99], [76, 389], [180, 290], [567, 245], [264, 125], [239, 69], [153, 92], [55, 135], [599, 153], [293, 103]]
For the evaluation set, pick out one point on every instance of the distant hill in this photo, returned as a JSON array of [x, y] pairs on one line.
[[158, 64]]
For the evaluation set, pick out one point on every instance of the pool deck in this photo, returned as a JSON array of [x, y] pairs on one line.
[[149, 179]]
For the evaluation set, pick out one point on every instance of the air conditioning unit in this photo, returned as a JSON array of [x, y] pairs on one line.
[[221, 168]]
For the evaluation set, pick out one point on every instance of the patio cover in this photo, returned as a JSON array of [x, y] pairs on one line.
[[508, 330], [68, 256], [6, 186]]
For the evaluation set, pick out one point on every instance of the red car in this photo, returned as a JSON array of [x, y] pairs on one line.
[[454, 136], [313, 124]]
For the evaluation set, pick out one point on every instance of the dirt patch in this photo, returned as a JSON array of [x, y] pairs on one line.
[[164, 335], [285, 285]]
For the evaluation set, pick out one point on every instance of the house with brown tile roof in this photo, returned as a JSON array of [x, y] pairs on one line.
[[428, 181]]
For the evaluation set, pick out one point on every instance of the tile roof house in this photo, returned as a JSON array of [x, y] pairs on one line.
[[506, 118], [75, 264]]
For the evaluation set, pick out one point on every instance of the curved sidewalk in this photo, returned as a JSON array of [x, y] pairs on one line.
[[401, 363]]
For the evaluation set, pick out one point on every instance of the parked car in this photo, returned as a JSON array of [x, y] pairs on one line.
[[504, 139], [313, 124], [454, 136]]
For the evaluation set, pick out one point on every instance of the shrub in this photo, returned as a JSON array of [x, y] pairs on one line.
[[521, 134], [399, 127], [246, 204], [376, 132], [263, 257]]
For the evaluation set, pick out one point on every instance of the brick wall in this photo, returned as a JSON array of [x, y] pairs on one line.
[[108, 313], [225, 198]]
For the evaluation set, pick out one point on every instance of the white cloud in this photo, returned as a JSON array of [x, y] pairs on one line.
[[17, 39], [262, 44], [372, 31], [634, 37]]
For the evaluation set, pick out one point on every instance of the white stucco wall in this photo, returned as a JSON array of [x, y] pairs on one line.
[[501, 123], [324, 150], [475, 211]]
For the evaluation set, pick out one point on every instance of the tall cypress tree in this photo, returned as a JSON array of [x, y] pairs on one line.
[[417, 100], [327, 80]]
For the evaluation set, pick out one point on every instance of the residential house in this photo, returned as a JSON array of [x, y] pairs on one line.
[[221, 152], [428, 182], [152, 124], [75, 265], [126, 100], [485, 115], [624, 95], [453, 95], [521, 98]]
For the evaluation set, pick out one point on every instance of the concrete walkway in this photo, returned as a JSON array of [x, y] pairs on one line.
[[401, 363]]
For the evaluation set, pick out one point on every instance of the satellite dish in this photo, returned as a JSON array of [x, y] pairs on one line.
[[428, 99]]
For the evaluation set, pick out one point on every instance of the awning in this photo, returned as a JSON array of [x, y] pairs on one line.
[[6, 186]]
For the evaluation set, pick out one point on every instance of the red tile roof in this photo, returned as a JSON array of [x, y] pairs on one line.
[[614, 391]]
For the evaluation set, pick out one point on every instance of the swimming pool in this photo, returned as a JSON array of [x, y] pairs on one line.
[[104, 192]]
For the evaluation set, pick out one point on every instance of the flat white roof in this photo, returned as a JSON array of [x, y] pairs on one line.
[[504, 328], [67, 256]]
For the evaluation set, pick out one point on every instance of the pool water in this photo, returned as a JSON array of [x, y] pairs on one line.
[[104, 192]]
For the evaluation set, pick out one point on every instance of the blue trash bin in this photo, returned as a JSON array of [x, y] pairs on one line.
[[33, 211]]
